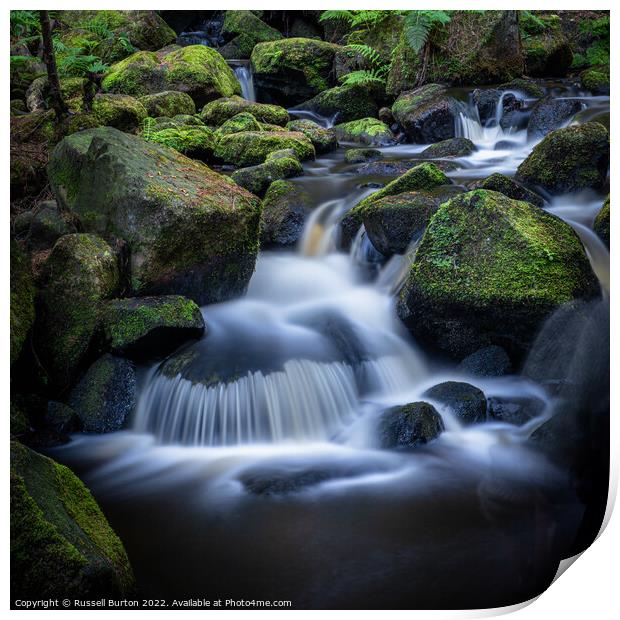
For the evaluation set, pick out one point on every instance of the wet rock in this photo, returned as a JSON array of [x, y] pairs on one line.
[[597, 82], [601, 222], [454, 147], [568, 160], [370, 131], [515, 410], [534, 263], [398, 167], [358, 156], [427, 114], [61, 543], [324, 140], [487, 100], [106, 395], [498, 182], [345, 103], [279, 165], [22, 299], [285, 208], [550, 114], [61, 418], [547, 50], [150, 327], [252, 29], [491, 361], [466, 401], [409, 426], [522, 85], [219, 111]]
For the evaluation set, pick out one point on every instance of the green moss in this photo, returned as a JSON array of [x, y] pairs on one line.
[[347, 102], [131, 76], [244, 121], [525, 86], [601, 222], [197, 142], [257, 179], [505, 185], [120, 111], [369, 131], [168, 103], [247, 24], [358, 156], [595, 81], [324, 140], [22, 299], [252, 147], [453, 147], [547, 52], [219, 111]]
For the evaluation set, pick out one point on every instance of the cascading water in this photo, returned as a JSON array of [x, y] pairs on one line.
[[243, 72]]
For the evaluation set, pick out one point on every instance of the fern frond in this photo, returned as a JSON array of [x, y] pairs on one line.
[[367, 52], [364, 77], [337, 16]]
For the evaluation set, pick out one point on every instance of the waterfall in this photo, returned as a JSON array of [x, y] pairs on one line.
[[323, 121], [243, 72], [468, 124]]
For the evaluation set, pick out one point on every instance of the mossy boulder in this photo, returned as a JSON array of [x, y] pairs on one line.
[[294, 70], [285, 208], [248, 148], [427, 114], [361, 156], [168, 103], [467, 402], [47, 225], [80, 273], [22, 299], [150, 327], [219, 111], [106, 395], [278, 165], [370, 131], [156, 200], [246, 29], [323, 139], [601, 222], [244, 121], [344, 103], [568, 160], [523, 85], [197, 70], [597, 82], [61, 543], [194, 141], [409, 426], [548, 51], [498, 182], [119, 111], [178, 121], [549, 114], [490, 270], [454, 147]]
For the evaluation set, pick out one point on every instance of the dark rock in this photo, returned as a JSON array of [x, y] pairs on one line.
[[106, 396], [487, 100], [358, 156], [48, 225], [498, 182], [515, 410], [409, 426], [550, 114], [22, 299], [345, 103], [279, 165], [454, 147], [466, 401], [491, 361], [323, 139], [60, 418], [601, 222], [398, 167]]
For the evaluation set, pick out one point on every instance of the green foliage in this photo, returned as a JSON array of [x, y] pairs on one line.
[[25, 24], [598, 51], [376, 74], [419, 25], [531, 24]]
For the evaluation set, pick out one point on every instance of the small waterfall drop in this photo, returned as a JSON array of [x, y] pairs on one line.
[[243, 73]]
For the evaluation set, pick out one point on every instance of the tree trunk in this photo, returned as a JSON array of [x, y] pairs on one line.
[[60, 107]]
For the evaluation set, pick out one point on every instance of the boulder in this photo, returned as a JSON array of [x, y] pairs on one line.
[[197, 142], [370, 131], [293, 70], [324, 140], [110, 110], [244, 121], [247, 27], [150, 327], [178, 121], [491, 361], [60, 418], [427, 114], [156, 200], [106, 395], [219, 111], [248, 148], [168, 103], [547, 50], [597, 82], [80, 273], [454, 147], [359, 156], [568, 160], [525, 86], [397, 167], [285, 208], [487, 101], [344, 103], [22, 299], [549, 114], [409, 426], [515, 410], [197, 70], [498, 182], [61, 543], [489, 270], [467, 402], [601, 222], [278, 165], [47, 225]]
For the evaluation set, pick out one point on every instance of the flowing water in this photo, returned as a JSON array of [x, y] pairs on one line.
[[243, 73], [251, 468]]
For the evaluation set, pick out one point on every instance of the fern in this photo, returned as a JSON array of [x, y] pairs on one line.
[[419, 24], [364, 77], [24, 23], [336, 16], [367, 52], [147, 128]]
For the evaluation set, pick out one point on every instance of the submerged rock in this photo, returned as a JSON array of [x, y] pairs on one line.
[[157, 200], [168, 103], [498, 182], [370, 131], [150, 327], [491, 361], [219, 111], [601, 222], [324, 140], [466, 401], [489, 270], [454, 147], [22, 299], [550, 114], [515, 410], [285, 208], [409, 426], [568, 160], [61, 543], [106, 395], [346, 103]]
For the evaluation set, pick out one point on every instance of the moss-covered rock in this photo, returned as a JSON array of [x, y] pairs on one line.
[[547, 52], [178, 121], [467, 402], [549, 114], [427, 114], [150, 327], [360, 156], [278, 165], [409, 426], [248, 148], [47, 225], [119, 111], [454, 147], [81, 272], [522, 85], [156, 200], [194, 141], [197, 70], [219, 111], [294, 70], [370, 131], [323, 139], [568, 160], [247, 30], [424, 176], [22, 299], [168, 103], [489, 270], [498, 182], [285, 208], [597, 82], [106, 395], [244, 121], [344, 103], [601, 222], [61, 543]]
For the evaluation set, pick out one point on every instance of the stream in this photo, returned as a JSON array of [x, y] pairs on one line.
[[252, 470]]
